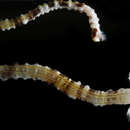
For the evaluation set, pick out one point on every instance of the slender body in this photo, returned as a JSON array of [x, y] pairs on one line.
[[71, 88], [52, 5]]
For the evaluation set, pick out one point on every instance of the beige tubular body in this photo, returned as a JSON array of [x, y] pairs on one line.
[[52, 5], [71, 88]]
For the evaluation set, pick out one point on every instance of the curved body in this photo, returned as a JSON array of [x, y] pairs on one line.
[[52, 5], [71, 88]]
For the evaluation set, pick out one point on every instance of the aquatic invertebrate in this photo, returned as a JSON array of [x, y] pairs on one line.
[[96, 33], [71, 88]]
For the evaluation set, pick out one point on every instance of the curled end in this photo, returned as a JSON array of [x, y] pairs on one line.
[[128, 114], [97, 35]]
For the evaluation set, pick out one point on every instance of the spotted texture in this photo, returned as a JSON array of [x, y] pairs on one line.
[[69, 87], [23, 19]]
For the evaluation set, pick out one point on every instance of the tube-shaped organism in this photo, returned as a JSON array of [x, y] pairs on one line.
[[71, 88], [96, 33]]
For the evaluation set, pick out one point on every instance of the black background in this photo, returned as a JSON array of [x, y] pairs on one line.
[[61, 40]]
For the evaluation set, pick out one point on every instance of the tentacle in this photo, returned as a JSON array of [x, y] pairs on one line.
[[71, 88], [96, 33]]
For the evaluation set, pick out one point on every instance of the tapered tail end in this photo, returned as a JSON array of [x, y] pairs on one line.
[[98, 36]]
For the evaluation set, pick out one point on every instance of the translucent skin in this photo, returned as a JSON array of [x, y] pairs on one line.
[[96, 33], [71, 88]]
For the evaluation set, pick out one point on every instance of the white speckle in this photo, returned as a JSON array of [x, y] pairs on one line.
[[39, 14], [47, 67], [86, 87], [129, 76], [3, 78], [27, 64], [124, 91], [96, 39], [102, 92], [128, 114], [24, 20], [52, 9], [8, 28], [46, 8], [13, 27], [76, 8], [41, 9], [6, 20], [70, 79], [33, 78], [81, 9], [71, 96], [38, 65], [58, 88], [27, 77], [56, 4], [78, 83], [15, 76], [70, 3], [58, 72]]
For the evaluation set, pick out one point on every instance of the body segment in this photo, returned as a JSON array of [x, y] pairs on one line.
[[71, 88]]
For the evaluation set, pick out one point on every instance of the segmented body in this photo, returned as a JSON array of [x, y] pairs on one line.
[[96, 33], [71, 88]]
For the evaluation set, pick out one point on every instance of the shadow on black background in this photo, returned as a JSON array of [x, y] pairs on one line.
[[61, 40]]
